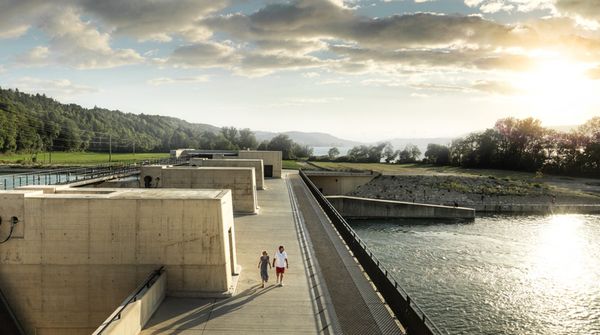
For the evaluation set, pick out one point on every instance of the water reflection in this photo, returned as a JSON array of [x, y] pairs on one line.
[[558, 260], [499, 275]]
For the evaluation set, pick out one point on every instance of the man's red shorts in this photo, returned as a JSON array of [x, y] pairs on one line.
[[279, 270]]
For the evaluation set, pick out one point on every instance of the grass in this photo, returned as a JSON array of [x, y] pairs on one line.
[[292, 165], [77, 158]]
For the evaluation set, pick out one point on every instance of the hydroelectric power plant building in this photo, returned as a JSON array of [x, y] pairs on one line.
[[178, 253]]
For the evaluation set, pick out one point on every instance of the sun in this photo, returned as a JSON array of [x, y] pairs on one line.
[[556, 90]]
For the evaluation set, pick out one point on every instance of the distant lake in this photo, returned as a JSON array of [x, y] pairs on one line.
[[322, 151]]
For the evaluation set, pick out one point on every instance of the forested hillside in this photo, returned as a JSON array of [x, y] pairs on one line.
[[31, 123]]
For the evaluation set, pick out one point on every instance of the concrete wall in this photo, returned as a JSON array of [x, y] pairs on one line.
[[272, 158], [257, 164], [339, 184], [241, 182], [75, 256], [363, 208], [135, 315]]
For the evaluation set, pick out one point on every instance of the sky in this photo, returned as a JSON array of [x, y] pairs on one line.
[[363, 70]]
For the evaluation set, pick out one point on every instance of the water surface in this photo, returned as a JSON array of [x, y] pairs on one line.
[[498, 274]]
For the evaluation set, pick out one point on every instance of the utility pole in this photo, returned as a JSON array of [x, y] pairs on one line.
[[109, 148], [134, 147]]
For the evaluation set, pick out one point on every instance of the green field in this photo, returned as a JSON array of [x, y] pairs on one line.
[[76, 158]]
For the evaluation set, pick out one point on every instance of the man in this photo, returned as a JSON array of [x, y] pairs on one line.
[[280, 262]]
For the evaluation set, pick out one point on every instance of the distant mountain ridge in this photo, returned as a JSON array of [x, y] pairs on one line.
[[313, 139]]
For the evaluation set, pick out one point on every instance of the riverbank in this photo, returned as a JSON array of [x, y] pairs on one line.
[[484, 193]]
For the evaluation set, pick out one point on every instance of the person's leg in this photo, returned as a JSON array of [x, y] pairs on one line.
[[281, 280]]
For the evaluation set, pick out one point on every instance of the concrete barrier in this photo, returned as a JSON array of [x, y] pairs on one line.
[[240, 180], [271, 161], [75, 253], [364, 208], [135, 315], [257, 164], [339, 183]]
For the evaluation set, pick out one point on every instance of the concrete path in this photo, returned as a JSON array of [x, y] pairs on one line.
[[252, 310]]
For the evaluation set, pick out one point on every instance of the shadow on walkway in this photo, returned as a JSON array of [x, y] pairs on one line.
[[212, 310]]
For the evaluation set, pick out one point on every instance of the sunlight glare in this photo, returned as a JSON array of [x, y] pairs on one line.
[[559, 260], [556, 90]]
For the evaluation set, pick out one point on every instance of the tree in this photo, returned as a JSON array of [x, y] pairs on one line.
[[333, 153], [284, 144], [388, 153], [437, 154], [409, 154], [231, 135], [302, 151], [247, 139]]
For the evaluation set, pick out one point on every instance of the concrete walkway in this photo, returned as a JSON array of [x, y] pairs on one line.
[[252, 310]]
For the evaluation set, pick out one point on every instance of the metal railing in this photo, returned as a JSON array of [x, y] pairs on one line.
[[152, 278], [75, 174], [412, 317]]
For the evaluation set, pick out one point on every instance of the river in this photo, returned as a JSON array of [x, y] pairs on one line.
[[498, 274]]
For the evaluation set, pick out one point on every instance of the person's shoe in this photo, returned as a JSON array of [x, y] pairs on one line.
[[280, 284]]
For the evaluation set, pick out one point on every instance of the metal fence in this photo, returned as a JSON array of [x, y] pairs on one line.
[[75, 174], [406, 310]]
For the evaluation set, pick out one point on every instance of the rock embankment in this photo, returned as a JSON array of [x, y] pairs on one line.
[[476, 192]]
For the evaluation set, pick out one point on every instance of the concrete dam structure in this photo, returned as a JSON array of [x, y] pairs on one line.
[[75, 253], [167, 258]]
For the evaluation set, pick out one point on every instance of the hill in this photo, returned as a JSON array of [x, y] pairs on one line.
[[312, 139], [35, 122]]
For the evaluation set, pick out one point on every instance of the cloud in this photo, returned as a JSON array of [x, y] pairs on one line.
[[17, 16], [589, 9], [295, 34], [153, 20], [204, 55], [79, 44], [35, 56], [53, 87], [494, 6], [181, 80], [495, 87]]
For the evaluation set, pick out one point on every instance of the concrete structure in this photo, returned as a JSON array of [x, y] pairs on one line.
[[74, 254], [339, 183], [130, 318], [252, 310], [271, 161], [364, 208], [257, 164], [240, 180], [183, 153]]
